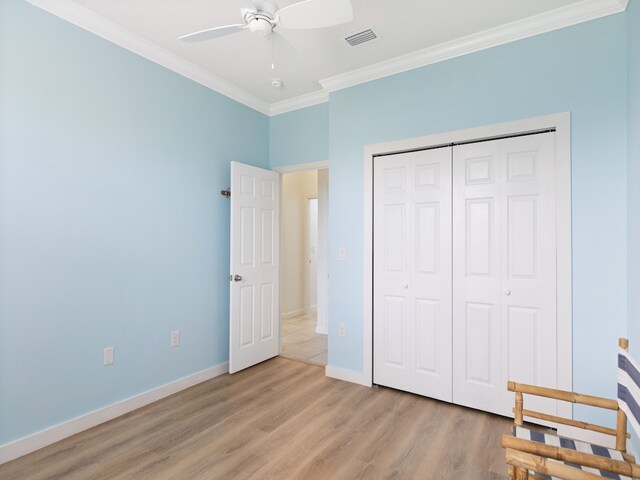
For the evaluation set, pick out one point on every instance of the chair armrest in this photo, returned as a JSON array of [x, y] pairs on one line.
[[571, 456], [563, 395], [542, 465], [573, 423]]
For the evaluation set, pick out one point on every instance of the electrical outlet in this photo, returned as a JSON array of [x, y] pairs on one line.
[[108, 356], [342, 254], [175, 338], [342, 330]]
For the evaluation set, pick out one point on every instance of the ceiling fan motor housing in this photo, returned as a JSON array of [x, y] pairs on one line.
[[260, 24]]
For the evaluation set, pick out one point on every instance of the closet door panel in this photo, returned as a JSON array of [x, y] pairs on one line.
[[476, 276], [412, 272], [529, 318], [504, 305]]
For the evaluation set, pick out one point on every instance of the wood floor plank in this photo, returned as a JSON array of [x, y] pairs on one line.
[[289, 457], [279, 420]]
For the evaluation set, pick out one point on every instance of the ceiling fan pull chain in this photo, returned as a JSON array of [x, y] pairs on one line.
[[273, 52]]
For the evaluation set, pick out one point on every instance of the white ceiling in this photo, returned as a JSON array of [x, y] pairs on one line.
[[244, 60]]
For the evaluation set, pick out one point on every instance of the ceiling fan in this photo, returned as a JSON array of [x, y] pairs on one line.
[[261, 17]]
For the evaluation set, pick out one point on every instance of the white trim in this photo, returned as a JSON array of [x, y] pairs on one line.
[[296, 103], [303, 167], [562, 123], [588, 436], [322, 331], [36, 441], [527, 27], [98, 25], [347, 375]]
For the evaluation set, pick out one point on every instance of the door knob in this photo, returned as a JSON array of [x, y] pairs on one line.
[[507, 292], [405, 285], [237, 278]]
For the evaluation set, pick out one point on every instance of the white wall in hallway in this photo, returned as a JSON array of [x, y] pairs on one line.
[[323, 240], [297, 188]]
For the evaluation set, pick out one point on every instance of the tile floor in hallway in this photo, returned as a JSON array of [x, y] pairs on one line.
[[301, 342]]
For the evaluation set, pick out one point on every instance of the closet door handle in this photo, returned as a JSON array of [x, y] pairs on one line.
[[507, 292], [405, 285]]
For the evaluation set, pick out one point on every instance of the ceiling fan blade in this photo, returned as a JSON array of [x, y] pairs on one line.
[[212, 33], [315, 14]]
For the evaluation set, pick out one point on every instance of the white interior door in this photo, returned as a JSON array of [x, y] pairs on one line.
[[504, 279], [254, 276], [412, 272]]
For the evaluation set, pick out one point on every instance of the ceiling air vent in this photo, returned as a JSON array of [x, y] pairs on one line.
[[361, 37]]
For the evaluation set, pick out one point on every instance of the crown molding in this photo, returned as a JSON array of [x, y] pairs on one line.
[[545, 22], [88, 20], [296, 103]]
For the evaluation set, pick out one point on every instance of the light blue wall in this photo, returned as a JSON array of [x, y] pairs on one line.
[[301, 136], [633, 182], [113, 232], [113, 229], [634, 174], [581, 69]]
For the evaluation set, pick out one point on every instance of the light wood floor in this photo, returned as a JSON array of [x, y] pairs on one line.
[[280, 420]]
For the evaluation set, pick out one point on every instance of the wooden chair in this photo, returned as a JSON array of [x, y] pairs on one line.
[[534, 455]]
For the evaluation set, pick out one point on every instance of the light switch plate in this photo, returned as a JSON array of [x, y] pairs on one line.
[[108, 356]]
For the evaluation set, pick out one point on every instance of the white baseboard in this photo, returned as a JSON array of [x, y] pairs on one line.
[[293, 313], [347, 375], [322, 330], [588, 436], [36, 441]]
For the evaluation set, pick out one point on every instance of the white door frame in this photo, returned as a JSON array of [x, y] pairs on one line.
[[300, 167], [561, 122]]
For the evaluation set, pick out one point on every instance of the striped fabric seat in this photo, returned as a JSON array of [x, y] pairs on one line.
[[556, 441], [629, 388]]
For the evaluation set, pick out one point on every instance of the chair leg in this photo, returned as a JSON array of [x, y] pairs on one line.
[[522, 474]]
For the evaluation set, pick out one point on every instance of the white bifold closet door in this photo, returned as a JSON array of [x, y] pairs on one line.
[[465, 271], [504, 271], [412, 272]]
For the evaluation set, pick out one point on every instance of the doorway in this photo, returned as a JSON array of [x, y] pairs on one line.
[[304, 214]]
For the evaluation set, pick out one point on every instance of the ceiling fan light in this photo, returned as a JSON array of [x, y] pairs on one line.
[[260, 26]]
